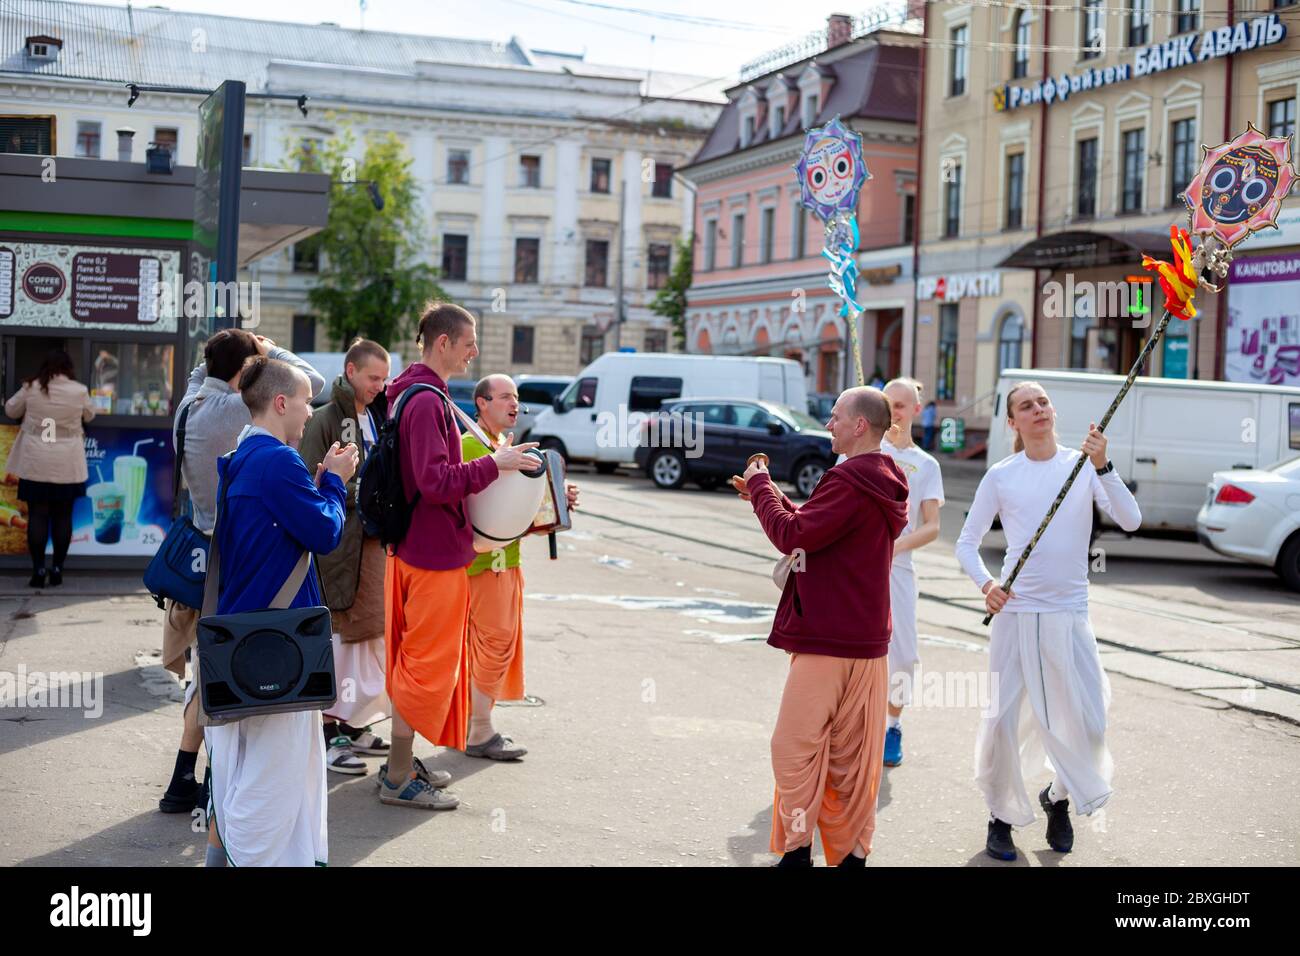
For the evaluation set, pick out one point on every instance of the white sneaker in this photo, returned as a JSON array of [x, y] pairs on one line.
[[341, 759]]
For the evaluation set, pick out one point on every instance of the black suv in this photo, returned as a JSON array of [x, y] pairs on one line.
[[707, 440]]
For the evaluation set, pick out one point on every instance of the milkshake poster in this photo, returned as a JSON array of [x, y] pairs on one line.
[[127, 507], [128, 504], [1262, 340]]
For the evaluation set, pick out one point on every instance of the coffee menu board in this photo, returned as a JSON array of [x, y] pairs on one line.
[[55, 285]]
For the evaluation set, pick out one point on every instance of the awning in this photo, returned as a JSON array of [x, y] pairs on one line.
[[1080, 249], [276, 207]]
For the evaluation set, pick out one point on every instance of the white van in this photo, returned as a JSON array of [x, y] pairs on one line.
[[598, 417], [1168, 437]]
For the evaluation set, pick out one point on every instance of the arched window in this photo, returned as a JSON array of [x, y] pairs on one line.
[[1010, 338], [1020, 58]]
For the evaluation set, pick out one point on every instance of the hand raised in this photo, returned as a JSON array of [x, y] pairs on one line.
[[511, 457], [342, 461]]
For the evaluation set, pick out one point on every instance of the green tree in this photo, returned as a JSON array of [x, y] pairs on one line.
[[670, 302], [372, 281]]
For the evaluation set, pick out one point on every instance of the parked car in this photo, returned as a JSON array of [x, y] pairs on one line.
[[707, 440], [1254, 516], [597, 418], [820, 405], [536, 393], [461, 391], [1169, 435]]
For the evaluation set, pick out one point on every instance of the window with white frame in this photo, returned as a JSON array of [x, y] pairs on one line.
[[1020, 56], [1092, 32], [88, 135], [710, 245], [958, 59], [737, 240], [1011, 337], [1189, 15], [798, 226], [458, 166], [811, 108], [1015, 183], [1182, 157], [767, 233], [1085, 178], [1281, 117], [951, 198], [1139, 22], [1133, 167]]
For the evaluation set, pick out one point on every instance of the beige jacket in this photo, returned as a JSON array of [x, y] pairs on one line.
[[45, 452]]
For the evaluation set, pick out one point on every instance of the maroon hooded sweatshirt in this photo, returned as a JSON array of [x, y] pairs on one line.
[[440, 537], [838, 605]]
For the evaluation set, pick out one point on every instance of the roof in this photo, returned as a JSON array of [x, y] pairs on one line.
[[877, 82], [154, 46]]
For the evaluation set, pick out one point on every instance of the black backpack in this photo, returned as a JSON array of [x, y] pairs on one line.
[[381, 499]]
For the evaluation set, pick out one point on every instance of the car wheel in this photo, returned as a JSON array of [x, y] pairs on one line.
[[1288, 563], [667, 469], [805, 476], [606, 467], [554, 444]]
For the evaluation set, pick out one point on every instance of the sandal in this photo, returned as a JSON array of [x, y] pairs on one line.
[[498, 747]]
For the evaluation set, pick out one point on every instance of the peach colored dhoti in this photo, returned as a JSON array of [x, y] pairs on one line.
[[827, 753], [496, 633], [426, 614]]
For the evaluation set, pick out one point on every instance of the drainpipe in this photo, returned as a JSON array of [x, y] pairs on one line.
[[1042, 179], [917, 218]]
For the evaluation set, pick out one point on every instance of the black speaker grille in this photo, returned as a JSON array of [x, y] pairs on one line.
[[266, 665]]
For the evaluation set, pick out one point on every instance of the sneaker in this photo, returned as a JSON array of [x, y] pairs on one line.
[[341, 759], [434, 778], [999, 845], [56, 577], [1060, 833], [37, 579], [416, 793], [367, 743], [893, 746], [797, 859]]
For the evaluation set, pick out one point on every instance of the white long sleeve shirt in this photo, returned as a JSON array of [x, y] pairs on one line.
[[1019, 491]]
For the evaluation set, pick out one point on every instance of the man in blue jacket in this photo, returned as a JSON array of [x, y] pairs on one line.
[[267, 797]]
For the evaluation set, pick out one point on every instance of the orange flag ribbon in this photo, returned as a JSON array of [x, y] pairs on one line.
[[1177, 280]]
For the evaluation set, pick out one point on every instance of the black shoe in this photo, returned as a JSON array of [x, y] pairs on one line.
[[182, 796], [38, 579], [999, 845], [797, 858], [56, 577], [851, 861], [1060, 834]]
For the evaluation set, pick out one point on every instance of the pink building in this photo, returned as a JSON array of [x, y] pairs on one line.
[[759, 285]]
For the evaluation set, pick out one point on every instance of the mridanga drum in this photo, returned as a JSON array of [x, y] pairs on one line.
[[504, 511]]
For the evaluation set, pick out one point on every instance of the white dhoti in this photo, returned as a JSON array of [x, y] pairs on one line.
[[903, 651], [267, 795], [1051, 659], [359, 670]]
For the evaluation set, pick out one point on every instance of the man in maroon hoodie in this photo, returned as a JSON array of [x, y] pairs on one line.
[[833, 620], [426, 589]]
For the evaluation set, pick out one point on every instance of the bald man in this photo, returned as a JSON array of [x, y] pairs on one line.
[[496, 594], [833, 621]]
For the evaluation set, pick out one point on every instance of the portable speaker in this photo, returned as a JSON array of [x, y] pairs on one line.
[[266, 662]]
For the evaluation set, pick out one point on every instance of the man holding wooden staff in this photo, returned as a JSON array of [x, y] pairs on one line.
[[1041, 645]]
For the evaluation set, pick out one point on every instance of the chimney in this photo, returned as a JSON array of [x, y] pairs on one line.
[[125, 135], [915, 9], [839, 30]]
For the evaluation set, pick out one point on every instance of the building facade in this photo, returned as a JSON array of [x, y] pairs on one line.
[[760, 282], [1056, 142], [540, 174]]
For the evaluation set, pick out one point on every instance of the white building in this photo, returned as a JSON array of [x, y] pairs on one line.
[[522, 156]]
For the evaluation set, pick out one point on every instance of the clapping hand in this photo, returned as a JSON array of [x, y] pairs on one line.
[[342, 460]]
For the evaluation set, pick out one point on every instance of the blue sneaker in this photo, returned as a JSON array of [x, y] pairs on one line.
[[893, 746], [416, 793]]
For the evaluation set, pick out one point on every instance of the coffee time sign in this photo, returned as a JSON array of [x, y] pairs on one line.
[[1171, 55]]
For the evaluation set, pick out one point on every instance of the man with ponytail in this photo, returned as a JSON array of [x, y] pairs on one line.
[[1041, 645]]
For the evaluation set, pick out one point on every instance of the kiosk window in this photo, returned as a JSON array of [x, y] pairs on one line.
[[128, 378], [648, 392]]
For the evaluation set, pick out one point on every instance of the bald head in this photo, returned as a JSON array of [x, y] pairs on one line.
[[497, 402], [869, 403]]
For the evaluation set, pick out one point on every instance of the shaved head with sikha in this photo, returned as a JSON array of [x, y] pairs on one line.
[[869, 403]]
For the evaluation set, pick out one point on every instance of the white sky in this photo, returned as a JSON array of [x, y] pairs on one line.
[[605, 36]]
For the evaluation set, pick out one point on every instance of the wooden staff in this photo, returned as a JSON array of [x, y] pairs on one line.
[[1078, 465]]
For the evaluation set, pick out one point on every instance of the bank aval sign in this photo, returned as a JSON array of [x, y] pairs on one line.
[[1181, 51]]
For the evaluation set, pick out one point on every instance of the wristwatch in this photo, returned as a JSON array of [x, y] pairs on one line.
[[1109, 467]]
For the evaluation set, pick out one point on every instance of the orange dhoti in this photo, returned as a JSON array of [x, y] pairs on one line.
[[827, 753], [496, 633], [426, 614]]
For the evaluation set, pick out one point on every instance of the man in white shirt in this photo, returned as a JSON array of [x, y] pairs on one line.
[[924, 499], [1041, 645]]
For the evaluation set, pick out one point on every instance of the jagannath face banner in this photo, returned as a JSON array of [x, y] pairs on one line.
[[831, 170], [1240, 186]]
